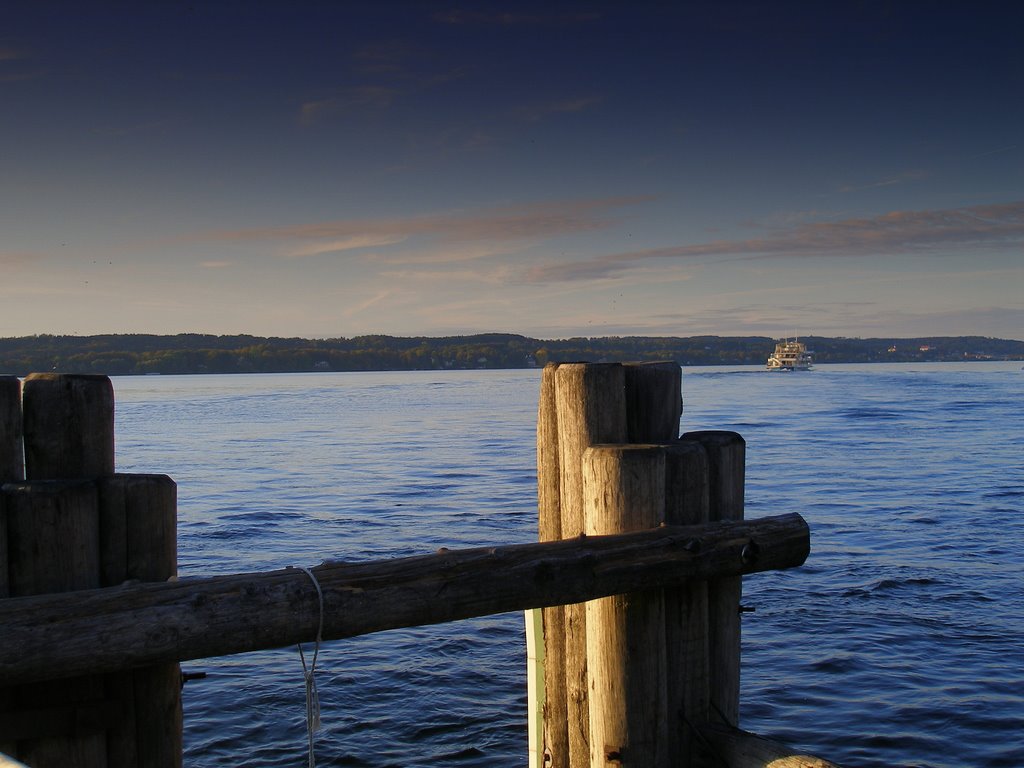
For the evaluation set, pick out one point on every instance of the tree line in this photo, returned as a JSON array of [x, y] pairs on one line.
[[135, 354]]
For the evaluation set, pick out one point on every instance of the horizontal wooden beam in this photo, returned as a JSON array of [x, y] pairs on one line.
[[103, 630]]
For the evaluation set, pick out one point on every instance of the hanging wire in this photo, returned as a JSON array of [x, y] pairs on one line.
[[312, 697]]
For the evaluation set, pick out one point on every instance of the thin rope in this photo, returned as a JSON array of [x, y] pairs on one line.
[[312, 697]]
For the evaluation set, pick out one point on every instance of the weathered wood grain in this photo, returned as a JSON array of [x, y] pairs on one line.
[[591, 408], [138, 541], [12, 461], [686, 606], [654, 401], [624, 490], [726, 463], [549, 507], [53, 546], [68, 426]]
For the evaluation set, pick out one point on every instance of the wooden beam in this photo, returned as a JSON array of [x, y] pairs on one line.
[[103, 630]]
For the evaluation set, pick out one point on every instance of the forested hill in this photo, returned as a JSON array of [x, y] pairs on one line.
[[197, 353]]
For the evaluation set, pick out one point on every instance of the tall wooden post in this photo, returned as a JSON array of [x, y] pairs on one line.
[[12, 462], [654, 402], [726, 453], [554, 732], [686, 606], [624, 489], [53, 546], [138, 524], [12, 469], [590, 408], [68, 426], [582, 405]]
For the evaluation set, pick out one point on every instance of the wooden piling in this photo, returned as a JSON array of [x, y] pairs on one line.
[[582, 404], [53, 546], [68, 426], [12, 461], [554, 731], [654, 403], [138, 523], [686, 605], [590, 408], [726, 453], [12, 469], [624, 490]]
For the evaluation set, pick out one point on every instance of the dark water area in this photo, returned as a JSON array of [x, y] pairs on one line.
[[898, 643]]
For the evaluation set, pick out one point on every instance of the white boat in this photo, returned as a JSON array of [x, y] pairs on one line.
[[790, 356]]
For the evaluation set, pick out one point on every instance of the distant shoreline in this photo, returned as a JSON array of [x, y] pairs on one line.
[[139, 354]]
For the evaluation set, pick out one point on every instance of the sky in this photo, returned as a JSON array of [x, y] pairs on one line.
[[334, 169]]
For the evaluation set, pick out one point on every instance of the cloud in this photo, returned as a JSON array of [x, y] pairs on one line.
[[437, 232], [536, 112], [361, 99], [896, 232], [15, 57], [891, 181], [498, 275], [216, 264], [345, 244], [15, 258], [362, 306], [998, 151]]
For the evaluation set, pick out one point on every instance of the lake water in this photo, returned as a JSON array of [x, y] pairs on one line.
[[900, 642]]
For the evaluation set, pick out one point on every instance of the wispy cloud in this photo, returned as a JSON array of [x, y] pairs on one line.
[[10, 59], [14, 258], [346, 244], [349, 101], [998, 151], [439, 237], [896, 232], [536, 112], [889, 181], [358, 308]]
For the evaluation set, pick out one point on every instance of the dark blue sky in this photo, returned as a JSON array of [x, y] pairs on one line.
[[325, 169]]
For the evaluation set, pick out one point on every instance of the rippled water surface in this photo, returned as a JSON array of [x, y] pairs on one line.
[[898, 643]]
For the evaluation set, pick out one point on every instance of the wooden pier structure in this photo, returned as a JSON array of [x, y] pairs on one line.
[[632, 594]]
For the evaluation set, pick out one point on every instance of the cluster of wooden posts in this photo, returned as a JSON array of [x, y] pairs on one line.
[[69, 523], [629, 678], [637, 576]]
